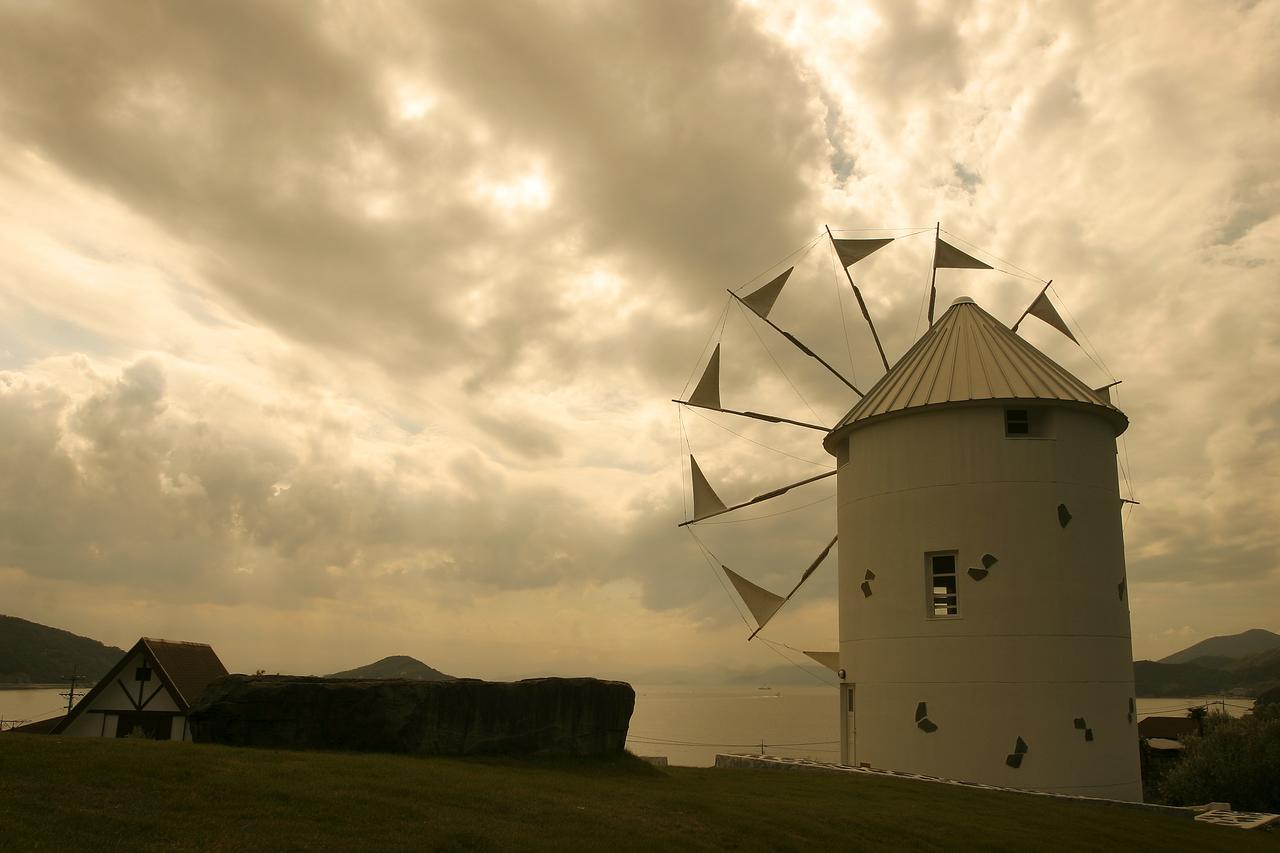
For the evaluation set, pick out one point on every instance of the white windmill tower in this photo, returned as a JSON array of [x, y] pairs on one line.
[[983, 609]]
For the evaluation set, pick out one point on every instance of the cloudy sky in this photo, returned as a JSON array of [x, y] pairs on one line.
[[330, 331]]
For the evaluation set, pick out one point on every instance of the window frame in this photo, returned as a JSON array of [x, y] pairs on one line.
[[930, 596], [1036, 420]]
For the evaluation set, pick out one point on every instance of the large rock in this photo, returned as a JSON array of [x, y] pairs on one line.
[[538, 716]]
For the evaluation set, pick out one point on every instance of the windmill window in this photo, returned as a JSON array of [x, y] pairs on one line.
[[1026, 423], [944, 589]]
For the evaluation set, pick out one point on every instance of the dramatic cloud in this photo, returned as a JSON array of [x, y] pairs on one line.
[[340, 331]]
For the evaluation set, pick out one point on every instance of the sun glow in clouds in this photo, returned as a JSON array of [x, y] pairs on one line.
[[527, 192]]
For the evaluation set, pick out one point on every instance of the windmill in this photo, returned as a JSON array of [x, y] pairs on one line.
[[983, 608]]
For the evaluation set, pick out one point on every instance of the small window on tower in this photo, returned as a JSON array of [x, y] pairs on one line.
[[1028, 423], [1017, 422], [944, 590]]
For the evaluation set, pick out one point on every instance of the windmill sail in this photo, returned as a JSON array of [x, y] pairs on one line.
[[831, 660], [852, 251], [762, 603], [1043, 309], [761, 301], [705, 500], [947, 256], [708, 391]]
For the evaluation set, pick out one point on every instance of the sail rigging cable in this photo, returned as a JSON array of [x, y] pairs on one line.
[[844, 324], [771, 515], [774, 359], [799, 345], [776, 493], [716, 334], [773, 645], [773, 419], [761, 443], [713, 562], [1025, 273], [805, 248], [850, 251]]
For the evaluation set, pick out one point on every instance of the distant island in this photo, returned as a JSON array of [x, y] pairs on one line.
[[1244, 664], [396, 666], [31, 653]]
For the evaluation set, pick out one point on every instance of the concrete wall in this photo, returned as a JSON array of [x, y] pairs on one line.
[[1042, 640]]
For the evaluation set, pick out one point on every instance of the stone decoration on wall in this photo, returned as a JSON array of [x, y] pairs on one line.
[[1014, 759], [866, 583], [988, 561], [923, 723], [1084, 727], [1064, 515]]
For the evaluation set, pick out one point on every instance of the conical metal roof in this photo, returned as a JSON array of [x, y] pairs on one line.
[[969, 356]]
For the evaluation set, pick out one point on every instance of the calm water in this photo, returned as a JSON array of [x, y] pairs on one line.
[[689, 725], [32, 705]]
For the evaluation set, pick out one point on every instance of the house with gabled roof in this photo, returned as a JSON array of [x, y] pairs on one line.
[[147, 694]]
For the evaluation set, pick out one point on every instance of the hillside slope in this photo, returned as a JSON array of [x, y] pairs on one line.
[[107, 794], [31, 653], [1230, 646], [396, 666]]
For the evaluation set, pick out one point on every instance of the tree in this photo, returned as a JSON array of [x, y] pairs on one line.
[[1234, 761]]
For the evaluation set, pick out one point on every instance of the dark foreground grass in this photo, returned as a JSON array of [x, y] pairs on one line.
[[92, 794]]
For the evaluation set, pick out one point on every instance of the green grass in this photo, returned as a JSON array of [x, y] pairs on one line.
[[93, 794]]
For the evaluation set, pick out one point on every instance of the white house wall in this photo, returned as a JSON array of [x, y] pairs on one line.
[[1041, 642], [114, 699]]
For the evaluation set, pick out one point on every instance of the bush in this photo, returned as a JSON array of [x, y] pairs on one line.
[[1237, 761]]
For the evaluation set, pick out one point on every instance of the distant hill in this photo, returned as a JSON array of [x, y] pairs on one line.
[[1232, 646], [31, 653], [1179, 679], [396, 666], [1240, 664]]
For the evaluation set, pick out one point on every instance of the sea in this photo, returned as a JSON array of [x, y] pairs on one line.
[[689, 725]]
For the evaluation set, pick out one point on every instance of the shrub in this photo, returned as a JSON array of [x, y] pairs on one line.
[[1236, 761]]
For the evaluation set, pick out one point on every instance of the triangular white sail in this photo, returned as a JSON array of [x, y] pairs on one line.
[[1044, 310], [705, 500], [947, 256], [761, 301], [762, 603], [852, 251], [831, 660], [708, 391]]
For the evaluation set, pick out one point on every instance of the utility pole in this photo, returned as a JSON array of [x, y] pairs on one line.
[[71, 694]]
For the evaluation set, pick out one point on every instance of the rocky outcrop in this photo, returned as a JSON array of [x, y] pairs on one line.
[[538, 716]]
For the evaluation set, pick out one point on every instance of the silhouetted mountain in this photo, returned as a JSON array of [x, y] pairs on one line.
[[1179, 679], [31, 653], [1209, 667], [396, 666], [1231, 646]]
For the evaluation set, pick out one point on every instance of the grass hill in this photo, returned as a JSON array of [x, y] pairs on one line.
[[396, 666], [1230, 646], [107, 794], [1241, 664], [31, 653]]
